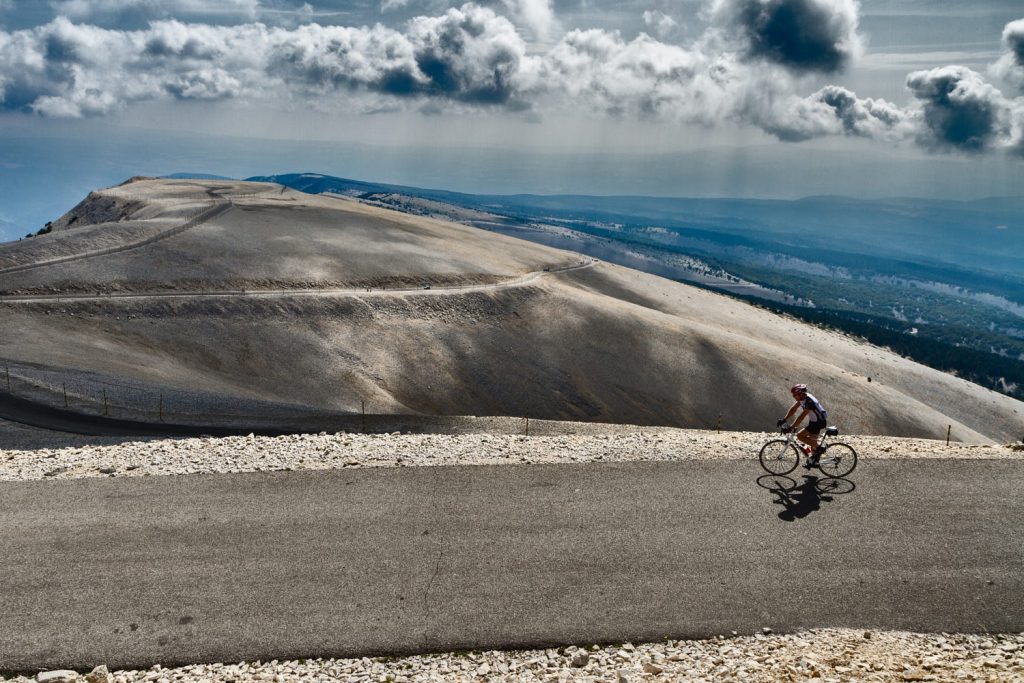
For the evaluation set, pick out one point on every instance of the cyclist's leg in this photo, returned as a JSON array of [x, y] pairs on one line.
[[814, 430], [808, 437]]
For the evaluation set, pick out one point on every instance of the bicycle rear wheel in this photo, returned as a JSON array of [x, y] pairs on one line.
[[779, 457], [838, 460]]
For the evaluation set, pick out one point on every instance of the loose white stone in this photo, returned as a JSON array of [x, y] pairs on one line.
[[57, 676], [99, 675]]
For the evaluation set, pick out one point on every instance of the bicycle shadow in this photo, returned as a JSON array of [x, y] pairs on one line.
[[800, 500]]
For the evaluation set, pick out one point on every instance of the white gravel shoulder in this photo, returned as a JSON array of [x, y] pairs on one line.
[[822, 655], [341, 450]]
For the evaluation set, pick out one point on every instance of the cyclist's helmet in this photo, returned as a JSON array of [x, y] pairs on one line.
[[798, 388]]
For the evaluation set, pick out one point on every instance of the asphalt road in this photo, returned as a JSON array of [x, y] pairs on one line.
[[134, 571], [435, 290], [199, 219]]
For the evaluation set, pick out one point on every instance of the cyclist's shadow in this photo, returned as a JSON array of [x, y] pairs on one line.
[[800, 500]]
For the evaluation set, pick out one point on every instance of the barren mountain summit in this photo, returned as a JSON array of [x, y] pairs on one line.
[[286, 304]]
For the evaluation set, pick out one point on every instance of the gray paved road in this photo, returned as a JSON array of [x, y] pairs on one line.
[[434, 290], [255, 566]]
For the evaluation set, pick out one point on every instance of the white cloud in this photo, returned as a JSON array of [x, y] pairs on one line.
[[1010, 66], [466, 55], [660, 24], [599, 71], [537, 16], [472, 57]]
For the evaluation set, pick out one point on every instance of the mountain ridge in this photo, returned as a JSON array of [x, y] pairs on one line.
[[240, 306]]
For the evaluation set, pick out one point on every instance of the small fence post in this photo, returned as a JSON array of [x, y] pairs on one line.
[[718, 425], [527, 425], [65, 386], [362, 416], [949, 430], [104, 400], [161, 408]]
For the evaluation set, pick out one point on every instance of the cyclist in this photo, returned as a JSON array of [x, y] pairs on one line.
[[809, 434]]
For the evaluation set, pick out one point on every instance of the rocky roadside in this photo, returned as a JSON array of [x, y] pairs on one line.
[[341, 450], [820, 655]]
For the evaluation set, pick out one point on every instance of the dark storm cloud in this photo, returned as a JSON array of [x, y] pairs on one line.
[[468, 54], [804, 35], [960, 111]]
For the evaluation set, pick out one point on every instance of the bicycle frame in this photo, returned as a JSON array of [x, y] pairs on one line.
[[822, 443], [791, 438], [781, 456]]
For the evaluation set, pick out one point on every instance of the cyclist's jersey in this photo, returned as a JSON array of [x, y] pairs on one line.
[[813, 405]]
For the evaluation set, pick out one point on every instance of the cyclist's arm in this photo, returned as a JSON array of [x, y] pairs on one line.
[[791, 412], [799, 419]]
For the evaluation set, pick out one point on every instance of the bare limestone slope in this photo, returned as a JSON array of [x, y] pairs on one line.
[[321, 303]]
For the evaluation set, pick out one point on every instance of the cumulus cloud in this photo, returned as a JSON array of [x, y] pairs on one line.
[[1010, 66], [468, 55], [868, 118], [537, 16], [474, 56], [644, 77], [598, 70], [962, 112], [659, 23], [805, 35], [832, 110], [1013, 36], [66, 69]]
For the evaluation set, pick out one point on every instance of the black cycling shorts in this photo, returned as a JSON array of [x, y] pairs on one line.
[[816, 427]]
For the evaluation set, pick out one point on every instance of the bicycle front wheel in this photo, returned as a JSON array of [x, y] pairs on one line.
[[779, 457], [838, 461]]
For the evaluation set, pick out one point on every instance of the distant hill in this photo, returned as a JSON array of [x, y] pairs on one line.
[[314, 305], [947, 237], [939, 281]]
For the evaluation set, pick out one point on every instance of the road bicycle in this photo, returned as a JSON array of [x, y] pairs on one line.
[[781, 456]]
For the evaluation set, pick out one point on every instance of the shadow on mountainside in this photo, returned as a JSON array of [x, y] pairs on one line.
[[551, 354]]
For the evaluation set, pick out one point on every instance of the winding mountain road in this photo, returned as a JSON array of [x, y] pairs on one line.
[[219, 206], [304, 291], [203, 568]]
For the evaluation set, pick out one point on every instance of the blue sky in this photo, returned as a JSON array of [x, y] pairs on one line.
[[768, 98]]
